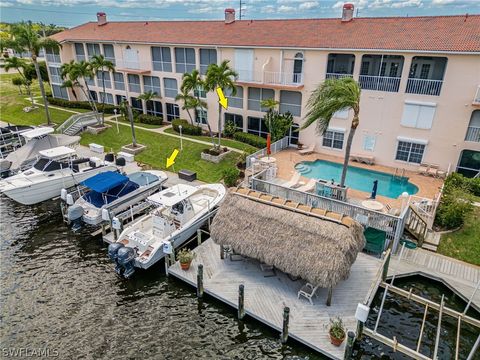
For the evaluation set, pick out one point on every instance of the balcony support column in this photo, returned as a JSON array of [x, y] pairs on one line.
[[407, 64]]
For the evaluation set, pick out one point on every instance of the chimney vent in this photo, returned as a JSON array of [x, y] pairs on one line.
[[229, 16], [101, 18], [347, 12]]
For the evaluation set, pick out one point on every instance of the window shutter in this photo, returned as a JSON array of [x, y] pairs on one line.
[[410, 115], [425, 117]]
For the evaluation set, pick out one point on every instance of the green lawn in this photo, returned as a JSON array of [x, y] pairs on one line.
[[147, 126], [225, 142], [12, 104], [159, 147], [464, 244]]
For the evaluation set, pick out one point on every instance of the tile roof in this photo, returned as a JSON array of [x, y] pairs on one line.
[[428, 33]]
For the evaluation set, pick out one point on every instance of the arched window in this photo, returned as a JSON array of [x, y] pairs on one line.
[[473, 131], [297, 68]]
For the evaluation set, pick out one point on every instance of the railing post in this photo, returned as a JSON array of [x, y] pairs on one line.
[[385, 265], [349, 345], [286, 318], [200, 281], [241, 301]]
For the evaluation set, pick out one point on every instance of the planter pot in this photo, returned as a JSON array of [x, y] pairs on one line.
[[97, 129], [213, 158], [133, 150], [185, 266], [335, 341]]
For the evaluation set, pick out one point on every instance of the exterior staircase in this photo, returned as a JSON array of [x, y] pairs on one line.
[[431, 242], [77, 123]]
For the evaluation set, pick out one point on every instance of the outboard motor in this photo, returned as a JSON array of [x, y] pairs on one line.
[[113, 254], [126, 259], [110, 157], [120, 161], [74, 216]]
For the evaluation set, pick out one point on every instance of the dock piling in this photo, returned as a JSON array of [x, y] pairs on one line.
[[329, 296], [200, 281], [349, 345], [199, 237], [241, 301], [385, 265], [286, 318], [222, 252], [359, 330]]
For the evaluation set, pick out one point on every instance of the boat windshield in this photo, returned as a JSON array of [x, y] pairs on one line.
[[48, 165], [41, 163]]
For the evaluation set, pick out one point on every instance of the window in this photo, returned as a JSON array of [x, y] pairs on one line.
[[333, 139], [155, 108], [93, 96], [341, 114], [106, 77], [473, 130], [118, 81], [93, 49], [173, 112], [108, 97], [469, 163], [256, 95], [418, 115], [184, 60], [134, 83], [136, 104], [236, 119], [410, 152], [201, 116], [79, 52], [236, 100], [59, 92], [90, 81], [109, 53], [369, 142], [161, 59], [53, 56], [120, 99], [170, 87], [294, 134], [55, 75], [151, 83], [291, 101], [200, 92], [207, 57], [257, 126]]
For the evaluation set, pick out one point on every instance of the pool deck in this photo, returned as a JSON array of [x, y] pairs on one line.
[[266, 297], [428, 186]]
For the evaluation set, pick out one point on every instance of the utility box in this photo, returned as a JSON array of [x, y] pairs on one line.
[[187, 175]]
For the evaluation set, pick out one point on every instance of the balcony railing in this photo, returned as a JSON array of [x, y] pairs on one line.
[[282, 78], [337, 75], [424, 86], [53, 59], [476, 99], [473, 134], [249, 76], [379, 83]]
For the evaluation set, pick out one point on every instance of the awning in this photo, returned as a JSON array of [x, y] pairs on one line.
[[104, 181]]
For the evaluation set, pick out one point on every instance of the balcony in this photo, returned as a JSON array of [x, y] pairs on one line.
[[336, 75], [340, 66], [424, 86], [476, 98], [272, 78], [379, 83], [133, 67], [473, 134]]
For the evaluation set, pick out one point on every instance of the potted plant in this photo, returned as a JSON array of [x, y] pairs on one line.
[[185, 257], [336, 331], [299, 145]]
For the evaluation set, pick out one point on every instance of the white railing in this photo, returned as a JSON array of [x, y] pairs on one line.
[[53, 59], [275, 147], [379, 83], [476, 99], [337, 75], [249, 76], [424, 86], [282, 78], [425, 207], [133, 65], [473, 134]]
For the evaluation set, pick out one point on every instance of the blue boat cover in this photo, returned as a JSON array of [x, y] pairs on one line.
[[99, 199], [104, 181]]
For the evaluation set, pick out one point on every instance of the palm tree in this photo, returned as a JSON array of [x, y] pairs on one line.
[[270, 104], [148, 96], [25, 38], [98, 62], [21, 66], [221, 76], [193, 82], [188, 103], [331, 96]]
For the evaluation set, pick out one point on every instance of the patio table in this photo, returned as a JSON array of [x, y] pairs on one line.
[[372, 205]]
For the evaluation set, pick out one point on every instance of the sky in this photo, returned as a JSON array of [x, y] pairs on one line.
[[74, 12]]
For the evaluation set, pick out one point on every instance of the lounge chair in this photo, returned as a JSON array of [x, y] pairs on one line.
[[423, 169], [392, 211], [309, 186], [375, 240], [307, 150], [432, 171], [308, 291], [293, 181]]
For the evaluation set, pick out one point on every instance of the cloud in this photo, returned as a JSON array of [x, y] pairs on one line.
[[308, 5], [286, 9], [380, 4], [407, 3]]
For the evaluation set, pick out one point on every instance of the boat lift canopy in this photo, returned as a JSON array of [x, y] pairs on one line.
[[104, 181], [37, 133], [57, 152]]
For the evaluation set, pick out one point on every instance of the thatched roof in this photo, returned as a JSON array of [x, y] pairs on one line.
[[318, 250]]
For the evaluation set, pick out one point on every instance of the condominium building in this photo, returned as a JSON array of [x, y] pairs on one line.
[[420, 77]]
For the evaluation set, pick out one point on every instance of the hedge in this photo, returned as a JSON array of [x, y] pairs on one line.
[[149, 119], [187, 128], [250, 139], [81, 105]]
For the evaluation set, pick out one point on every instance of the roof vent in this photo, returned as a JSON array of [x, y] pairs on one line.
[[101, 18], [347, 12], [229, 16]]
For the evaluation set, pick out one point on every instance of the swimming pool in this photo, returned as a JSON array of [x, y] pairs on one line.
[[357, 178]]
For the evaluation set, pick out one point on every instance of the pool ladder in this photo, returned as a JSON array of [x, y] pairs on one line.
[[399, 173]]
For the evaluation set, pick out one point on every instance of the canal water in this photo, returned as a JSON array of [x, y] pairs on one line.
[[59, 293]]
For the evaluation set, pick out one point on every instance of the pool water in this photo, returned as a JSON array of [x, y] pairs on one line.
[[357, 178]]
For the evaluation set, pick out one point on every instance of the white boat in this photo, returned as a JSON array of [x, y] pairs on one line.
[[109, 191], [179, 212], [57, 168]]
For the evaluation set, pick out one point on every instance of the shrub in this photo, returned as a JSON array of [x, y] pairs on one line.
[[187, 128], [454, 206], [250, 139], [149, 119], [81, 105], [230, 176], [230, 129], [278, 124]]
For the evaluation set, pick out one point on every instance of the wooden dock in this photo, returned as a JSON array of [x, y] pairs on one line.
[[458, 275], [266, 296]]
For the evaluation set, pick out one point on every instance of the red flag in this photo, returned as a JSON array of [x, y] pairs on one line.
[[269, 142]]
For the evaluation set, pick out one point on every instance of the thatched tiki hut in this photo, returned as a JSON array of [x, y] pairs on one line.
[[312, 244]]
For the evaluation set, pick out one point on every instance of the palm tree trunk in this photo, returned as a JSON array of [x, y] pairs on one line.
[[91, 101], [130, 117], [29, 92], [103, 98], [219, 125], [189, 115], [42, 89], [353, 128], [208, 124]]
